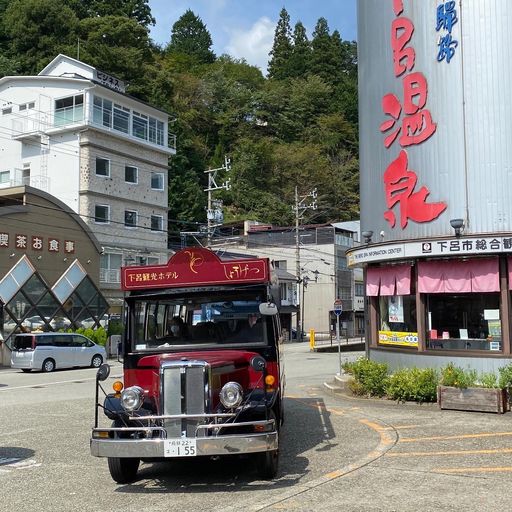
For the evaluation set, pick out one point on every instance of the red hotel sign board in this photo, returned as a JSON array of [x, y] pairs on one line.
[[191, 267]]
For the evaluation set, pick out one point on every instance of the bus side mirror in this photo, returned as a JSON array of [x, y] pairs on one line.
[[268, 309], [103, 372]]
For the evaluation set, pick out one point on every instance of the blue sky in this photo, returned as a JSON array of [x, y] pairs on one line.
[[245, 28]]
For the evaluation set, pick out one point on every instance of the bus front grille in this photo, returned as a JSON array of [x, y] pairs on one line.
[[184, 390]]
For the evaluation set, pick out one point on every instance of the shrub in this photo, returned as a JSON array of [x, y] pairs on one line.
[[505, 380], [457, 377], [98, 335], [488, 380], [413, 384], [348, 367], [370, 377]]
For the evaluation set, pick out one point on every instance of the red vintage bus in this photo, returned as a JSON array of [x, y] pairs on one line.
[[203, 375]]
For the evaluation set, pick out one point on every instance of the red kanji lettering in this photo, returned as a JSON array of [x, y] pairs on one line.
[[418, 126], [399, 184], [398, 7], [415, 88], [391, 107], [404, 57]]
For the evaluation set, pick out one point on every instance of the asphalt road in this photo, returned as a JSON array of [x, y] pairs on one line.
[[337, 453]]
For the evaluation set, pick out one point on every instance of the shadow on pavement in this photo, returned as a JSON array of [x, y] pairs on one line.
[[310, 423]]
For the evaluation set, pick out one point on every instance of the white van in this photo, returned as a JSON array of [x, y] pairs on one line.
[[46, 351]]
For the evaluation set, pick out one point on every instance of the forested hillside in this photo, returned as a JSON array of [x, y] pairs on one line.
[[295, 127]]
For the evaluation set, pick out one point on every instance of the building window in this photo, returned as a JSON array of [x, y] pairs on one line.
[[157, 181], [397, 321], [102, 167], [5, 177], [131, 174], [341, 262], [359, 289], [121, 118], [25, 106], [466, 321], [140, 125], [69, 110], [110, 265], [130, 218], [6, 111], [156, 131], [280, 264], [102, 214], [157, 222], [102, 112], [463, 303]]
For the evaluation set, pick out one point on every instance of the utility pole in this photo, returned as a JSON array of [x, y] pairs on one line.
[[213, 214], [299, 208]]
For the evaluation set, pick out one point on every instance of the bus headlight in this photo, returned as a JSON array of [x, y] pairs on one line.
[[231, 395], [132, 398]]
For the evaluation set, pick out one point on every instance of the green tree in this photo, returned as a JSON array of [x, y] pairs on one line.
[[281, 52], [120, 46], [301, 54], [190, 37], [286, 108], [325, 56], [139, 10], [37, 31]]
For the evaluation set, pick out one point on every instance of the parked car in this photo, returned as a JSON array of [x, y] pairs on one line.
[[47, 351]]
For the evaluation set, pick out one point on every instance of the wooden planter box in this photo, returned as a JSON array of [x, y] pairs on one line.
[[473, 399]]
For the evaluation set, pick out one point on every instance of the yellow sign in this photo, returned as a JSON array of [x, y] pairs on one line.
[[402, 339]]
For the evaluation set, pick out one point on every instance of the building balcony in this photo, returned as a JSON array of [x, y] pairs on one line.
[[40, 182], [110, 276], [31, 129]]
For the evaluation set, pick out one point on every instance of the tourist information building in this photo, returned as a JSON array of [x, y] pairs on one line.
[[435, 82]]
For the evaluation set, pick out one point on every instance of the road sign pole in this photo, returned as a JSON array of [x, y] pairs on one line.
[[338, 309], [338, 339]]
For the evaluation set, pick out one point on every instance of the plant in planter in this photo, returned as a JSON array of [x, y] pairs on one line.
[[462, 389]]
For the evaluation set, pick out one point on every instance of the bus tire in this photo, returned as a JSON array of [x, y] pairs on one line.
[[123, 470]]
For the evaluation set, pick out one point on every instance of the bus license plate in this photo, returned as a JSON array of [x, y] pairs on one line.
[[180, 448]]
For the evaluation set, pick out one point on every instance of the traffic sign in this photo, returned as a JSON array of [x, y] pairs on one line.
[[338, 307]]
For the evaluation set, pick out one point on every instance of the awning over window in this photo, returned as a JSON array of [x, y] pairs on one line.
[[387, 281], [455, 276]]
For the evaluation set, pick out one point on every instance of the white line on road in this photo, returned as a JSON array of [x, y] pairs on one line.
[[44, 384]]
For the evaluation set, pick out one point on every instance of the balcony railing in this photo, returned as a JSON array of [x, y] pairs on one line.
[[40, 182], [108, 275]]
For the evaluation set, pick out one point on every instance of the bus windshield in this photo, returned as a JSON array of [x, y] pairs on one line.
[[197, 322]]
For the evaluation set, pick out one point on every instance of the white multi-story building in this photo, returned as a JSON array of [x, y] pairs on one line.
[[73, 132]]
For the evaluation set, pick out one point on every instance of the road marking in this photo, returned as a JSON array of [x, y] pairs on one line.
[[446, 438], [506, 469], [385, 438], [7, 460], [402, 427], [43, 385], [9, 464], [449, 452], [286, 498]]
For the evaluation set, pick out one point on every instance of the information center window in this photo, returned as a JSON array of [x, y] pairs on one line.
[[396, 301], [469, 321], [462, 303]]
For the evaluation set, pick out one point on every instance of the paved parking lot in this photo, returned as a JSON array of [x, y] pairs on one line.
[[337, 453]]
